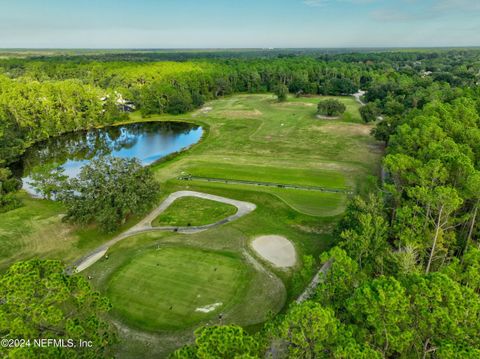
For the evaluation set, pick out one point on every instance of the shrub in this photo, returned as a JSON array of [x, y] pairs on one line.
[[331, 107]]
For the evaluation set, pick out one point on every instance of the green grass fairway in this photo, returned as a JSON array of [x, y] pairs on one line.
[[193, 211], [313, 203], [298, 176], [163, 289]]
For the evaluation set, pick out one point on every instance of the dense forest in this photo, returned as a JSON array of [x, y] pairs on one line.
[[404, 277], [45, 97]]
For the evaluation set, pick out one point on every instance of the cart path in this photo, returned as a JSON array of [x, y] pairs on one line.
[[319, 277], [145, 225], [266, 184], [358, 97]]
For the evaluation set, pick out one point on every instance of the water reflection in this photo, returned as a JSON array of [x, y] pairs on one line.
[[149, 142]]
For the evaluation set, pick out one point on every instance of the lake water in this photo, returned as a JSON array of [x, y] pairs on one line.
[[148, 141]]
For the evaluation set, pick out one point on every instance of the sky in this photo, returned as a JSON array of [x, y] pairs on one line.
[[238, 24]]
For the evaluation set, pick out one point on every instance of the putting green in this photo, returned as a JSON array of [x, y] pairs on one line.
[[193, 211], [176, 287]]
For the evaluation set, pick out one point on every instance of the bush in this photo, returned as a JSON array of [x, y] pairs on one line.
[[369, 112], [8, 186], [8, 202], [331, 107]]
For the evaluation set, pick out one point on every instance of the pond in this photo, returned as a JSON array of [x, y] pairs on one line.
[[147, 141]]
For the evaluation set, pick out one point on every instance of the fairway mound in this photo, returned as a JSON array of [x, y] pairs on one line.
[[277, 250]]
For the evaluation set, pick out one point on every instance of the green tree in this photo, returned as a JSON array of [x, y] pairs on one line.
[[340, 280], [48, 180], [331, 107], [348, 347], [302, 278], [369, 112], [444, 312], [38, 300], [381, 309], [220, 342], [473, 191], [281, 91], [108, 190], [366, 239], [444, 200], [467, 270], [308, 330]]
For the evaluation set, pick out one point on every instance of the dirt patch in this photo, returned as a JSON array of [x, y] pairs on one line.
[[309, 229], [241, 113], [344, 129], [202, 111], [298, 104], [277, 250]]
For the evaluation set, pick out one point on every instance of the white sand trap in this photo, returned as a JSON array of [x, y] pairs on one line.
[[208, 308], [322, 117], [277, 250]]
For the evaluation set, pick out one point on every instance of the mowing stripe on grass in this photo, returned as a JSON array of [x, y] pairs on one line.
[[265, 184]]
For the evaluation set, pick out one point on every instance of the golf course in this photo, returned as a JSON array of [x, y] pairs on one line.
[[296, 169]]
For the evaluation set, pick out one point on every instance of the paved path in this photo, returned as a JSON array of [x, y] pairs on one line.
[[358, 96], [145, 225], [308, 292]]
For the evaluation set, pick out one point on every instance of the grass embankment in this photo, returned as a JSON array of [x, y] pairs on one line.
[[193, 211]]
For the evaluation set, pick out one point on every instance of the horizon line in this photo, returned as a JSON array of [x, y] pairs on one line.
[[238, 48]]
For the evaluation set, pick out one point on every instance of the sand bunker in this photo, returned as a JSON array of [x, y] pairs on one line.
[[322, 117], [276, 249], [208, 308]]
